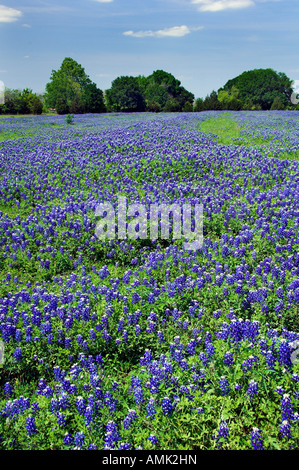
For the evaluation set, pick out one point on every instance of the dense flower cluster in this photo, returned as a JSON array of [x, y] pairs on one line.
[[123, 339]]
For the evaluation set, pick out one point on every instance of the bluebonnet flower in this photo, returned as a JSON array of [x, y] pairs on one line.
[[88, 416], [228, 359], [256, 439], [249, 363], [30, 425], [138, 395], [287, 412], [79, 439], [223, 433], [280, 390], [80, 405], [125, 446], [284, 353], [151, 408], [18, 354], [61, 419], [153, 438], [224, 386], [110, 402], [160, 336], [128, 421], [285, 429], [252, 388], [68, 440], [8, 389], [167, 406], [112, 435], [270, 359]]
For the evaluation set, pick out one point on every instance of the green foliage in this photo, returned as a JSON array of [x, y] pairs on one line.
[[211, 102], [69, 119], [187, 108], [198, 105], [261, 87], [93, 99], [277, 104], [21, 102], [71, 90], [172, 106], [125, 95], [153, 107], [160, 91], [156, 93], [229, 99]]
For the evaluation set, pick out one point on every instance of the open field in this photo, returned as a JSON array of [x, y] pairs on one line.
[[141, 344]]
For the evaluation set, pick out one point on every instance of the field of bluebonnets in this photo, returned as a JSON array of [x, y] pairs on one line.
[[140, 344]]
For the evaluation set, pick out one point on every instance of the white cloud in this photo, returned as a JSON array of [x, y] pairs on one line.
[[219, 5], [26, 25], [104, 1], [8, 15], [175, 32]]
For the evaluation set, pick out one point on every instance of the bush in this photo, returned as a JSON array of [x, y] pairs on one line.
[[154, 107], [69, 119], [61, 106], [172, 106], [187, 108]]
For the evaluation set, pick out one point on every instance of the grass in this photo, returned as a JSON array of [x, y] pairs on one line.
[[224, 129]]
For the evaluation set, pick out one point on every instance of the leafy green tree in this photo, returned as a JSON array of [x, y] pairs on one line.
[[167, 80], [277, 104], [261, 86], [229, 99], [61, 105], [172, 106], [156, 93], [125, 95], [153, 107], [187, 108], [211, 102], [198, 105], [93, 99], [71, 90], [21, 102], [143, 82], [166, 90], [13, 102]]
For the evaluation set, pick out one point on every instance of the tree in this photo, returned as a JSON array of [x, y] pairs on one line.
[[153, 107], [156, 93], [187, 108], [172, 106], [71, 90], [93, 99], [260, 87], [277, 104], [229, 99], [21, 102], [198, 105], [211, 102], [125, 95], [165, 89]]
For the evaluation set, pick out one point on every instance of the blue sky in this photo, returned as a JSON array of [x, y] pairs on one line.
[[203, 43]]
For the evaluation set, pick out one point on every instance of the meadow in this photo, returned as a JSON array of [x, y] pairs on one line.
[[141, 344]]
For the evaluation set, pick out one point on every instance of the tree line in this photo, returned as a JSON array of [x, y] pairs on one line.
[[71, 91]]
